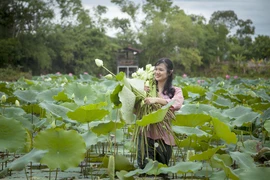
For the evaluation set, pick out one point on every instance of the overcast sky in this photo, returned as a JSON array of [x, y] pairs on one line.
[[255, 10]]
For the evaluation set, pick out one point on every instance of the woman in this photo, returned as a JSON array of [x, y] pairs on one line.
[[159, 137]]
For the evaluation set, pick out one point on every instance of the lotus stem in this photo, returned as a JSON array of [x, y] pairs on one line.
[[108, 71], [56, 172]]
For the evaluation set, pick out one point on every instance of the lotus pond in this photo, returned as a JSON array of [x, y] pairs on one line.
[[68, 127]]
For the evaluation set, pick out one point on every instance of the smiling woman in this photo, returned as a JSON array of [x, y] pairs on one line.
[[155, 141]]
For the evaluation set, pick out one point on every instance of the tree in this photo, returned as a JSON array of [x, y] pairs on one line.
[[226, 18], [169, 32], [261, 47]]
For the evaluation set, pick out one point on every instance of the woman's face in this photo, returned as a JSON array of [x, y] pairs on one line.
[[161, 73]]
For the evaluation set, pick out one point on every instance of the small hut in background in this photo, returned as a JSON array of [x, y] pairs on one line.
[[128, 60]]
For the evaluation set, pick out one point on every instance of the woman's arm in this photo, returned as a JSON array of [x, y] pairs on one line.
[[177, 98], [153, 100]]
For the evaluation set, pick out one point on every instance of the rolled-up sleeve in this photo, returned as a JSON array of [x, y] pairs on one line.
[[178, 99]]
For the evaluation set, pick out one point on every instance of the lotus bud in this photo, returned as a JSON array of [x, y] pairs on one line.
[[189, 154], [134, 75], [140, 71], [73, 96], [53, 124], [85, 99], [99, 62], [17, 103], [147, 83], [65, 80], [3, 98], [222, 83], [109, 77], [148, 67]]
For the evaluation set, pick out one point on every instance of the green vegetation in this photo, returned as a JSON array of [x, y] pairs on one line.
[[38, 40], [54, 124]]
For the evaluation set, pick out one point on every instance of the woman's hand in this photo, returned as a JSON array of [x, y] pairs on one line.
[[146, 88], [150, 100], [153, 100]]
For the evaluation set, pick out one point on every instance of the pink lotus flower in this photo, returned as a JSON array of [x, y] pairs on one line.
[[235, 77], [184, 75], [227, 76], [70, 74], [85, 73], [200, 81], [58, 73]]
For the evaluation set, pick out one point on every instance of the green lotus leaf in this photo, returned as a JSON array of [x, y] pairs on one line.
[[25, 120], [66, 149], [205, 155], [195, 142], [81, 91], [197, 109], [114, 96], [237, 111], [182, 167], [88, 113], [29, 96], [61, 96], [227, 170], [266, 114], [105, 127], [121, 77], [260, 106], [34, 109], [223, 131], [57, 110], [121, 163], [127, 97], [191, 120], [48, 94], [195, 89], [12, 135], [121, 175], [220, 116], [70, 105], [244, 160], [245, 120], [251, 147], [8, 90], [263, 94], [154, 117], [13, 111], [189, 131], [222, 102], [33, 156], [267, 126], [90, 138], [258, 173], [226, 158]]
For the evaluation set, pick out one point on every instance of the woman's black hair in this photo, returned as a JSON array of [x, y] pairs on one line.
[[168, 89]]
